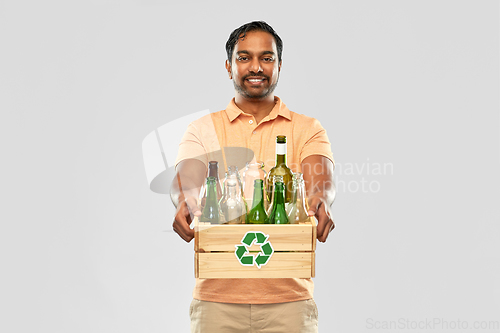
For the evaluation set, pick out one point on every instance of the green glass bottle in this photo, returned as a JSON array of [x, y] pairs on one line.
[[280, 169], [257, 214], [213, 171], [211, 212], [277, 213]]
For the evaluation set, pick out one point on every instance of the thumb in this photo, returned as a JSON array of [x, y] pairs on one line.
[[314, 204], [193, 206], [196, 211]]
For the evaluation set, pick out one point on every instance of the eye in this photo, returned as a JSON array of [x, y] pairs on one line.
[[268, 59], [242, 58]]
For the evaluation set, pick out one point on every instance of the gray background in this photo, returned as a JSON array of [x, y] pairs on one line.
[[87, 247]]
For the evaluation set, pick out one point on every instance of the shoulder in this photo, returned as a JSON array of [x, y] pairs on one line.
[[207, 121], [200, 122], [305, 122]]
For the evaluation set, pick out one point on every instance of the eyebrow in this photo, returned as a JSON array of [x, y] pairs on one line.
[[246, 52]]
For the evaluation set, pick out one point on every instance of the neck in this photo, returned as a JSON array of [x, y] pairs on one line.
[[258, 108]]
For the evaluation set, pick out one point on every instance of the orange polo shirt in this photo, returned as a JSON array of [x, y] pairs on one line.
[[245, 140]]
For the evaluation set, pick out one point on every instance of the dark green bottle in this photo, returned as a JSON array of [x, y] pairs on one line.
[[277, 213], [257, 214], [211, 212]]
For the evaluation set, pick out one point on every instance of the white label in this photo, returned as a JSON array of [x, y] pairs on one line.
[[280, 148]]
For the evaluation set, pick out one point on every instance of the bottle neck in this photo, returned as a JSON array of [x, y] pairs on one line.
[[258, 191], [300, 191], [231, 191], [232, 170], [280, 153], [211, 190], [213, 170], [279, 195]]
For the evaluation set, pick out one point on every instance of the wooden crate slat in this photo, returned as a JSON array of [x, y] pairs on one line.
[[196, 264], [281, 265], [283, 238], [313, 265], [314, 233]]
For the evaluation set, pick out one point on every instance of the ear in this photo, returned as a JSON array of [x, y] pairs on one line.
[[228, 68], [279, 66]]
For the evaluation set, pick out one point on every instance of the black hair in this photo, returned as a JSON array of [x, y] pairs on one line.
[[241, 32]]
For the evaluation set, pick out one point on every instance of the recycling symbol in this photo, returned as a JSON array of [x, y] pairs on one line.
[[266, 250]]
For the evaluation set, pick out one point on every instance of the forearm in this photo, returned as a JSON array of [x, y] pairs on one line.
[[322, 187], [318, 178], [182, 190], [188, 180]]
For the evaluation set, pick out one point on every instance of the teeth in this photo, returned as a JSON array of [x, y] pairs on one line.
[[255, 80]]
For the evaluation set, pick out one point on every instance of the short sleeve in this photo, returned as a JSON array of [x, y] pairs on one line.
[[317, 142], [191, 146]]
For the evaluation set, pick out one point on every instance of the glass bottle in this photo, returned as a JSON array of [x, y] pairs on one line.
[[278, 213], [232, 205], [211, 211], [280, 169], [213, 171], [297, 209], [257, 215], [253, 171], [232, 171]]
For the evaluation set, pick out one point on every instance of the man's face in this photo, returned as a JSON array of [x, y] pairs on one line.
[[254, 67]]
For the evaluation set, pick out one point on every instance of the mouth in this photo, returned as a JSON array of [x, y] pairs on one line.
[[255, 80]]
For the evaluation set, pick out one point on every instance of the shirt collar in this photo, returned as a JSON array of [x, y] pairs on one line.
[[280, 109]]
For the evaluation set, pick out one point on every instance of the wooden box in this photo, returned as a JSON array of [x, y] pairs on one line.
[[255, 250]]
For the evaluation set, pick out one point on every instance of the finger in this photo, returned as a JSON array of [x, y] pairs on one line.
[[183, 230], [181, 223], [189, 235], [322, 217], [313, 206], [186, 238], [325, 224], [326, 232]]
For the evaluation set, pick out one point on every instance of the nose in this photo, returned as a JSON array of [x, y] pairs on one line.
[[255, 66]]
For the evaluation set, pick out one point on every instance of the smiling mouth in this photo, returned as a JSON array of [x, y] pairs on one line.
[[256, 80]]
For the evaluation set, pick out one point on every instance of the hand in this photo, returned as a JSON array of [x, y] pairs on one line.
[[319, 208], [183, 218]]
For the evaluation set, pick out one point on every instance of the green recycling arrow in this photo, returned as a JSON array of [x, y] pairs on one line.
[[261, 260], [261, 238], [240, 251], [249, 238], [267, 249], [262, 257]]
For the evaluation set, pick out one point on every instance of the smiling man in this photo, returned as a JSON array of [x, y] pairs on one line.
[[251, 122], [254, 69]]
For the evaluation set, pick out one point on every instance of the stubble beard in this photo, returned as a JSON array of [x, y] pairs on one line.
[[257, 96]]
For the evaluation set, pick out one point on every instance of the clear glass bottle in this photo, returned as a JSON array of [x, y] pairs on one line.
[[211, 211], [257, 215], [232, 171], [232, 204], [253, 171], [277, 213], [213, 171], [298, 207], [280, 169]]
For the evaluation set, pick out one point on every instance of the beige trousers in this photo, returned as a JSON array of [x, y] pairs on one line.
[[291, 317]]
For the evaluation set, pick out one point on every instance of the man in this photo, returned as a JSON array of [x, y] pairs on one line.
[[252, 120]]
